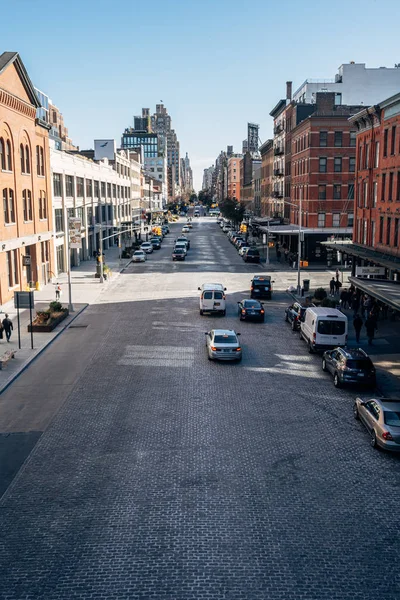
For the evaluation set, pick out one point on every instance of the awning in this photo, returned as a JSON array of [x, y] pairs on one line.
[[294, 230], [374, 256], [386, 291]]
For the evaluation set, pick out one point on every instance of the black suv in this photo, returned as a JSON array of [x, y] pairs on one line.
[[349, 365], [294, 315], [252, 255], [261, 287]]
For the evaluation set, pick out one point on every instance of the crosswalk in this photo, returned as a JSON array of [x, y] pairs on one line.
[[158, 356]]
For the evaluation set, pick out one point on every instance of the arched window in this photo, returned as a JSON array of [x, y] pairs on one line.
[[8, 155], [8, 206], [27, 160], [22, 156], [2, 155], [37, 160]]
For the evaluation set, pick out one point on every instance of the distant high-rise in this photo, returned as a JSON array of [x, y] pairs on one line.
[[161, 124], [208, 178]]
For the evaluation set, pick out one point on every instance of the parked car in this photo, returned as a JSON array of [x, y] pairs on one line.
[[381, 417], [165, 229], [323, 328], [147, 247], [294, 314], [156, 243], [178, 254], [243, 249], [139, 256], [349, 366], [261, 287], [252, 255], [251, 310], [223, 344]]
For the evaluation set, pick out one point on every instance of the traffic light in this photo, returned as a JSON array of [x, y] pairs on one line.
[[243, 228]]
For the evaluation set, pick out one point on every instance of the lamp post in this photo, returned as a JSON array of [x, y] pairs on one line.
[[299, 244]]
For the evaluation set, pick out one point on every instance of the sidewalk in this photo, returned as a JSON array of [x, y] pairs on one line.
[[86, 290], [384, 351]]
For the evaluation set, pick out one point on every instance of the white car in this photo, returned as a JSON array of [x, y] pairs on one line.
[[147, 247], [223, 344], [139, 256], [185, 229], [243, 249]]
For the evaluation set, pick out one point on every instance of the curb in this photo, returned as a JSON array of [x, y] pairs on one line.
[[28, 364]]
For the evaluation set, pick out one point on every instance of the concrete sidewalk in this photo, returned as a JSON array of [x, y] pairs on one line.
[[86, 289]]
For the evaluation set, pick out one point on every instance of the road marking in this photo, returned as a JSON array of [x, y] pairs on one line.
[[158, 356]]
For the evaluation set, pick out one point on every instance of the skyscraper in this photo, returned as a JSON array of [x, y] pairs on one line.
[[161, 124]]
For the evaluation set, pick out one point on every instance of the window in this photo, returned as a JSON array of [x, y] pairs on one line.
[[69, 185], [39, 161], [27, 204], [323, 138], [350, 220], [352, 164], [388, 230], [322, 192], [58, 213], [338, 99], [79, 187], [336, 220], [22, 157], [383, 190], [89, 188], [321, 219], [398, 187], [10, 269], [57, 186], [366, 156], [2, 155], [381, 221], [114, 190], [390, 191], [27, 160], [376, 161], [337, 192], [365, 193], [385, 142], [8, 156], [393, 140], [15, 264], [372, 238], [338, 139], [8, 206], [360, 156], [42, 205], [96, 189], [108, 190], [374, 193], [350, 191], [337, 164], [103, 189], [396, 232], [326, 327], [322, 165], [353, 138]]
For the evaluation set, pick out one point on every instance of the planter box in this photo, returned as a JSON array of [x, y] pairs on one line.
[[48, 328]]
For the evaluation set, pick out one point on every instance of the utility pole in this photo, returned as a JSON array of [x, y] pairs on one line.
[[299, 245], [101, 249]]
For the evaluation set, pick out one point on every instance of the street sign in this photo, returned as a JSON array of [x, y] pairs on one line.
[[75, 232], [372, 271], [24, 300]]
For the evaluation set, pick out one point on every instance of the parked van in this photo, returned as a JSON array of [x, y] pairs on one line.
[[212, 298], [324, 328]]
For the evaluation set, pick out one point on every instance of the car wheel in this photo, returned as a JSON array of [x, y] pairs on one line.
[[373, 441], [286, 317], [201, 312], [355, 412], [336, 381], [239, 359], [223, 313], [293, 325], [310, 348], [323, 364]]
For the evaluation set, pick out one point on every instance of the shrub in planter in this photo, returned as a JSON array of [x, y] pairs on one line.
[[320, 294], [55, 306], [329, 303], [47, 320]]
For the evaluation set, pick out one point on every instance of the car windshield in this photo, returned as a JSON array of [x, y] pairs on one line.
[[138, 253], [251, 304], [253, 252], [362, 363], [331, 327], [225, 339], [262, 284], [392, 418], [179, 250]]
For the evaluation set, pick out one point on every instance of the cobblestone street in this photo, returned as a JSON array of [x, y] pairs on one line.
[[164, 475]]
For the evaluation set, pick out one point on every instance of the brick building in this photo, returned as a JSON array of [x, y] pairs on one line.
[[26, 223], [323, 173], [267, 165], [234, 176]]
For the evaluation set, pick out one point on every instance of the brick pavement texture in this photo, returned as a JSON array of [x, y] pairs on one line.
[[208, 482]]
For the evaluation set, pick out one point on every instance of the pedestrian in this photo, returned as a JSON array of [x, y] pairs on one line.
[[337, 274], [358, 323], [8, 327], [1, 330], [371, 327], [338, 285], [332, 287], [344, 298], [355, 303], [58, 291], [278, 255]]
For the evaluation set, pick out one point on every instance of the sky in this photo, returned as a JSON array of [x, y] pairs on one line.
[[215, 64]]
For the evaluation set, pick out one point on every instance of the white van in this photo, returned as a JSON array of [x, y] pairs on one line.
[[212, 298], [324, 328]]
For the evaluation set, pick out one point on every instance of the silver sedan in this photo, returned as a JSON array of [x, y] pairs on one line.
[[139, 256], [223, 344], [381, 417]]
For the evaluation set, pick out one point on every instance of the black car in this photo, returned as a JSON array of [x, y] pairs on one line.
[[178, 254], [252, 255], [165, 229], [251, 310], [294, 315], [261, 287], [156, 243], [349, 366]]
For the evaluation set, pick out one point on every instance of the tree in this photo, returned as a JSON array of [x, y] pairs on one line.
[[232, 210], [193, 198], [205, 197]]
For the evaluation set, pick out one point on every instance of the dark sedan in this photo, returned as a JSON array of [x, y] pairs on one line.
[[178, 254], [156, 243], [251, 310]]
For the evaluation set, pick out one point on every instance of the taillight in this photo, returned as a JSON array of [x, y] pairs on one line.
[[387, 436], [213, 348], [262, 311], [223, 297], [252, 288], [243, 312], [238, 349], [314, 336]]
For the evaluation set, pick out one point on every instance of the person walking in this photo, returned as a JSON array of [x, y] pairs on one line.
[[8, 327], [355, 303], [344, 299], [332, 287], [58, 291], [357, 323], [371, 327], [1, 330]]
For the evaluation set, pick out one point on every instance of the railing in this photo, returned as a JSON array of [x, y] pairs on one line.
[[278, 150], [278, 172], [278, 128]]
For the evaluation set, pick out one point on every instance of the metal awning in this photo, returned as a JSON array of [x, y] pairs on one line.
[[294, 230], [374, 256], [387, 291]]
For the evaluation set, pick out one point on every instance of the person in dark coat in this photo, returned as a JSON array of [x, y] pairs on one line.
[[338, 285], [8, 327], [332, 286], [358, 323], [355, 303], [344, 298], [371, 327]]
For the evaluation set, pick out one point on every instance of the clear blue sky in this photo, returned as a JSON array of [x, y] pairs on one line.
[[216, 64]]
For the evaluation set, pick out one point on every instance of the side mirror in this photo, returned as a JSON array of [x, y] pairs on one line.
[[206, 333], [199, 289], [273, 281], [224, 289], [238, 334]]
